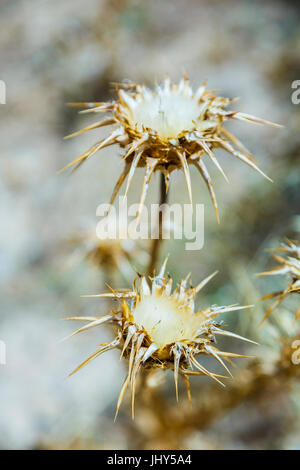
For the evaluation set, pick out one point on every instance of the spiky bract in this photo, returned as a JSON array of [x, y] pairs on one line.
[[168, 128], [289, 265], [159, 328]]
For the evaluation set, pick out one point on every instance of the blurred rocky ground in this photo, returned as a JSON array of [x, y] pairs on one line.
[[56, 51]]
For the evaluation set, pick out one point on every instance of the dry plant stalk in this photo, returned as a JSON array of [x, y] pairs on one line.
[[159, 329], [289, 265], [155, 136]]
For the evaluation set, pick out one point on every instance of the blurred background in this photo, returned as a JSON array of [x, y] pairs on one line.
[[53, 52]]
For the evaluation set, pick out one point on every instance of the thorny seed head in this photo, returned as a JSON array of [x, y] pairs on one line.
[[168, 128], [289, 265], [159, 328]]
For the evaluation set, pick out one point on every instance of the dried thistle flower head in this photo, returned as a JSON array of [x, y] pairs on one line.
[[168, 128], [159, 328], [290, 266]]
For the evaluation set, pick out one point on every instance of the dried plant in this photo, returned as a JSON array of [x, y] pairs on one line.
[[168, 128], [159, 329], [289, 265], [110, 254]]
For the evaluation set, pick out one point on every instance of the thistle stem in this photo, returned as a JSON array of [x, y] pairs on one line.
[[156, 243]]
